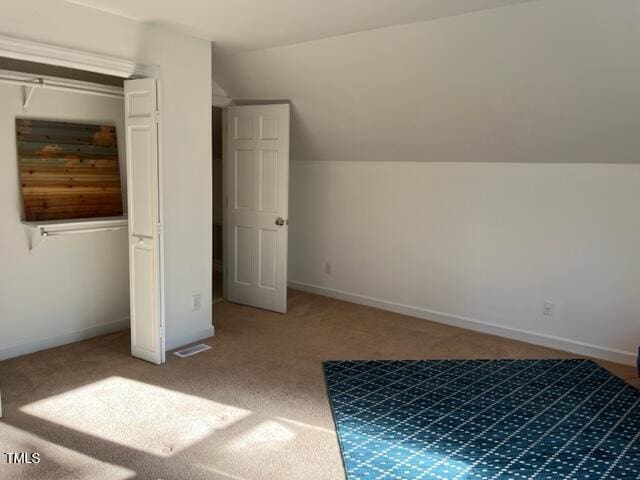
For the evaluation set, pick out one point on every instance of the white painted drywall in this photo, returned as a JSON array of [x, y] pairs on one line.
[[522, 106], [185, 69], [253, 24], [187, 179], [70, 25], [219, 96], [547, 81], [487, 242], [70, 287]]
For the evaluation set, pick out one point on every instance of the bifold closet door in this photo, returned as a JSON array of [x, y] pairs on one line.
[[145, 227]]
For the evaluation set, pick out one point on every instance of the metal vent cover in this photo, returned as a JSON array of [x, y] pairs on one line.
[[192, 350]]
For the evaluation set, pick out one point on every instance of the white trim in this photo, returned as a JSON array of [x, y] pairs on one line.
[[159, 139], [225, 203], [31, 51], [76, 336], [190, 338], [551, 341]]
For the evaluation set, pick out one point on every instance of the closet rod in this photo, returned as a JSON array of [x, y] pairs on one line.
[[62, 85], [46, 233]]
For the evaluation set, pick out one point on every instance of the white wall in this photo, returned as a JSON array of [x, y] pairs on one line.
[[523, 106], [219, 96], [488, 242], [187, 179], [548, 81], [185, 66], [69, 287], [68, 25]]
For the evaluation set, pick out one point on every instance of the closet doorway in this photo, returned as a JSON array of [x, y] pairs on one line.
[[68, 169], [218, 257]]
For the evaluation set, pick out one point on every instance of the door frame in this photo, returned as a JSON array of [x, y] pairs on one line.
[[49, 54], [222, 102], [225, 203]]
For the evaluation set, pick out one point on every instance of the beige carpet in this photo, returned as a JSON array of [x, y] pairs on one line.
[[253, 407], [217, 286]]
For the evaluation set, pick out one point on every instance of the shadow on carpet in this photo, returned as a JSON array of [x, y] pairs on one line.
[[484, 420]]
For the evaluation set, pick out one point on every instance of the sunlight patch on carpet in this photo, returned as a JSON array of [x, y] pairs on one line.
[[269, 432], [137, 415]]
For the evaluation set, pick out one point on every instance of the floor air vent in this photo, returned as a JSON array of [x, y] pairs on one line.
[[187, 352]]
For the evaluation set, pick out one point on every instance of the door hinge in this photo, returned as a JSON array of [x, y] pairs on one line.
[[156, 115], [159, 228]]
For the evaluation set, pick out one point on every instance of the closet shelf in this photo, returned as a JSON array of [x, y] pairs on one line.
[[38, 231]]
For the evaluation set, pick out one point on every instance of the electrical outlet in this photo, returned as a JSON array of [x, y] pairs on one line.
[[547, 309], [327, 268], [196, 302]]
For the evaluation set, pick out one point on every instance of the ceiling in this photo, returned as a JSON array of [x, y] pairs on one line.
[[255, 24]]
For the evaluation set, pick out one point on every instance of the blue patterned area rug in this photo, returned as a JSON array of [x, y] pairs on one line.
[[484, 420]]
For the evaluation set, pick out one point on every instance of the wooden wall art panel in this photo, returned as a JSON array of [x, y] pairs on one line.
[[68, 170]]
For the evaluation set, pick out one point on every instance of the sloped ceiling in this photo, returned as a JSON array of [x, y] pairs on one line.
[[254, 24], [546, 81]]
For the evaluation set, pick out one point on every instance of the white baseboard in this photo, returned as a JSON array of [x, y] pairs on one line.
[[189, 338], [551, 341], [58, 340]]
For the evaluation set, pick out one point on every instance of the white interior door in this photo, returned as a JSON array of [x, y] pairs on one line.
[[257, 205], [145, 227]]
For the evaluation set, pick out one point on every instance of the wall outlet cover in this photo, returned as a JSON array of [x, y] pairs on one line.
[[196, 302]]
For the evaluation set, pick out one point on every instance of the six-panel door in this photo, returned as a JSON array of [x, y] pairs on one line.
[[257, 176]]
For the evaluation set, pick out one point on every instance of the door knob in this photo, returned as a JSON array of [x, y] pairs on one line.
[[281, 221]]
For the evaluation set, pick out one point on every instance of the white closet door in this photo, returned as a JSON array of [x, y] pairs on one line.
[[257, 205], [145, 228]]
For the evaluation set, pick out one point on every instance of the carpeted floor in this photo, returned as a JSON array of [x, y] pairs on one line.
[[253, 407], [217, 287]]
